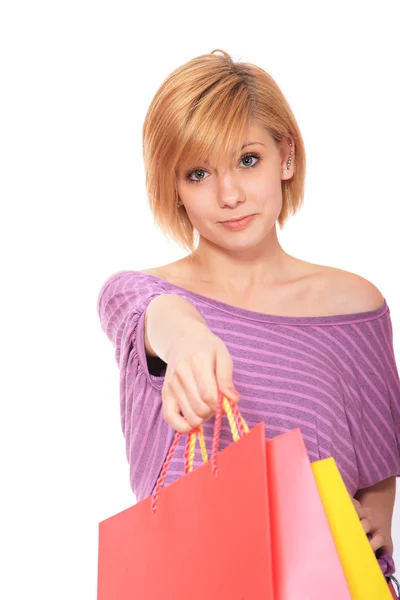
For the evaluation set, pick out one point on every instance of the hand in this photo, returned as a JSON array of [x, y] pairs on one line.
[[377, 537], [199, 365]]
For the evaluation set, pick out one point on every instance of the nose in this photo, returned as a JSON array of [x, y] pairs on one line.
[[230, 193]]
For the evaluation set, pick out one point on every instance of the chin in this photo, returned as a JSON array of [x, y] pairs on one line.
[[239, 243], [249, 239]]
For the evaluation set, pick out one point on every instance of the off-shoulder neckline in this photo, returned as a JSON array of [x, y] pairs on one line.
[[348, 318]]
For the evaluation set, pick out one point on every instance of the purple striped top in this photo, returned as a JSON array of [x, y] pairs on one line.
[[334, 377]]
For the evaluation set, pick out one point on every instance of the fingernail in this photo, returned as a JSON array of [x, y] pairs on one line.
[[233, 391]]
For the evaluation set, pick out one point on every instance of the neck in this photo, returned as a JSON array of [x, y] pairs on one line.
[[266, 264]]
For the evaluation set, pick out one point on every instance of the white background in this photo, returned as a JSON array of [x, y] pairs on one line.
[[76, 79]]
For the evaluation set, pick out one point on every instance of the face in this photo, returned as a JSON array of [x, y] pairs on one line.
[[237, 206]]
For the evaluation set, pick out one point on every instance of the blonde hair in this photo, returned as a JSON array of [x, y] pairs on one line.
[[201, 111]]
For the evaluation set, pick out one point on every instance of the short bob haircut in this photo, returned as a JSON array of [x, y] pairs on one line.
[[201, 112]]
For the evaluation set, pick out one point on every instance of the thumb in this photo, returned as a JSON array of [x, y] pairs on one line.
[[224, 375]]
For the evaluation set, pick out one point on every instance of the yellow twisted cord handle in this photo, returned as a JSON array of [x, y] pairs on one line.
[[192, 446], [229, 413], [203, 445], [245, 427], [235, 434]]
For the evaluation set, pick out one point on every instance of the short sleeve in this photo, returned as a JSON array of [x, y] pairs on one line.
[[373, 407], [121, 306], [122, 300]]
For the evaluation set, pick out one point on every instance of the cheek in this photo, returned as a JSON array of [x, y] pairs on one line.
[[199, 203], [199, 213], [265, 193], [264, 183]]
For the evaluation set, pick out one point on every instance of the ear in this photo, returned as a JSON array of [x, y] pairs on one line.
[[287, 154]]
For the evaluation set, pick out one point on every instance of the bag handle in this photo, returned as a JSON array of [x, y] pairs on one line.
[[238, 428]]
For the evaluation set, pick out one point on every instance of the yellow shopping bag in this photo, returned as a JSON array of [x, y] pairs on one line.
[[362, 571]]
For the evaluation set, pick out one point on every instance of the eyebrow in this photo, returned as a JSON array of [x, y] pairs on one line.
[[251, 143]]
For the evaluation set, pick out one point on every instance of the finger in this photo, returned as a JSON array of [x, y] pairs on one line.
[[181, 397], [366, 525], [207, 387], [186, 385], [172, 413], [224, 375], [363, 512], [232, 394], [377, 541]]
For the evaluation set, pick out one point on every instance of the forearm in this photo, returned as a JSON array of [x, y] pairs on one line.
[[380, 498], [167, 317]]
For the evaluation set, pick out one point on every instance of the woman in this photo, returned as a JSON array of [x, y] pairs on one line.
[[299, 344]]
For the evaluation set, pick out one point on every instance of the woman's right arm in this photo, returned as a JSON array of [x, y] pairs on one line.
[[166, 317], [198, 363]]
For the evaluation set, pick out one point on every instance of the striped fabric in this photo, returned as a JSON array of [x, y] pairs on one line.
[[334, 377]]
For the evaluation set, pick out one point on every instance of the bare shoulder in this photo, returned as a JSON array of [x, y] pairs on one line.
[[175, 272], [348, 292], [155, 271]]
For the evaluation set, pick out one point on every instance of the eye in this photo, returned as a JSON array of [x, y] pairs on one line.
[[196, 172], [247, 158]]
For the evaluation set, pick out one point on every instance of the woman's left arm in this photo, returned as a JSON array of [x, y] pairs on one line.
[[376, 512]]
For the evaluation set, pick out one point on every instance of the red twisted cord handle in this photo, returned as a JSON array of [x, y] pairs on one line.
[[164, 470], [217, 433], [238, 418], [214, 451]]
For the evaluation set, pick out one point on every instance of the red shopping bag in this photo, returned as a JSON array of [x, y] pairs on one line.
[[247, 525]]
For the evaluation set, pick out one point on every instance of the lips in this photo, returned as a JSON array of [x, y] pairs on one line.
[[237, 224], [237, 219]]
